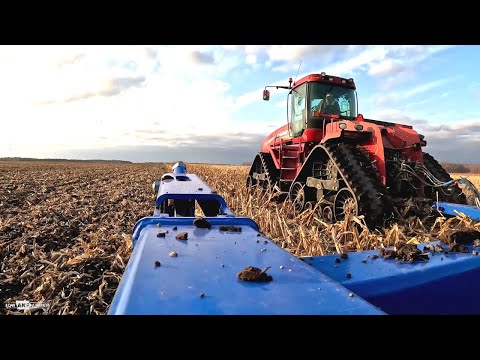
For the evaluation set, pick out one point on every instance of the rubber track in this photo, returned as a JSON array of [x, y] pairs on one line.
[[269, 167], [456, 195], [374, 201]]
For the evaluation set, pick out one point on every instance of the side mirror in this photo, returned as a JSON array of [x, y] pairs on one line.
[[266, 95]]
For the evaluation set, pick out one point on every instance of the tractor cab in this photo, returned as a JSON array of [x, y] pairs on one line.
[[317, 97]]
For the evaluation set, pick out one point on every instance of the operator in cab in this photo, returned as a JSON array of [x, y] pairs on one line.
[[329, 105]]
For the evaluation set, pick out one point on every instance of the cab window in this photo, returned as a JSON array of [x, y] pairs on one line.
[[344, 97]]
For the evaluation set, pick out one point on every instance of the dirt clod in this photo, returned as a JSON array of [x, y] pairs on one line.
[[466, 237], [429, 247], [230, 228], [182, 236], [254, 274], [458, 247], [202, 223], [405, 252]]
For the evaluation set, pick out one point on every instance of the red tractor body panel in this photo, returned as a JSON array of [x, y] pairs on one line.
[[373, 137]]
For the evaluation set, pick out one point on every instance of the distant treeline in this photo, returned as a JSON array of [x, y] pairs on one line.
[[448, 166], [62, 160], [461, 168]]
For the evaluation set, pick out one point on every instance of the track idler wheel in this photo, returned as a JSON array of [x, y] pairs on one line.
[[251, 182], [345, 203], [297, 197], [266, 185], [327, 214], [319, 212], [310, 205]]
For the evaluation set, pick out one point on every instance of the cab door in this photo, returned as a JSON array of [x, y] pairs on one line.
[[298, 110]]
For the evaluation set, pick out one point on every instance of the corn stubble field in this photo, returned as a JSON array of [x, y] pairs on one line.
[[65, 227]]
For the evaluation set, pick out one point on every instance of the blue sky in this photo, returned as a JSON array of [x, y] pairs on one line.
[[203, 103]]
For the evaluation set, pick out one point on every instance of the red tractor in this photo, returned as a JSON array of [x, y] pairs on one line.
[[329, 154]]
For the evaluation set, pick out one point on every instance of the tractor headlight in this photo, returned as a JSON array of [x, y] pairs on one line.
[[342, 126]]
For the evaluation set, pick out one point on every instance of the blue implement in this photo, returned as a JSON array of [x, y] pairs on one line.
[[181, 264]]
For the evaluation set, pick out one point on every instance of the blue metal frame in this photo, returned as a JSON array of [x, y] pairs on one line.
[[450, 209], [223, 205], [180, 185]]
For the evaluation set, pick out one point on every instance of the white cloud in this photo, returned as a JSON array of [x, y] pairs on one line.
[[396, 97], [359, 62], [397, 59], [70, 97], [179, 109], [385, 67], [425, 87], [251, 59], [286, 52], [340, 68]]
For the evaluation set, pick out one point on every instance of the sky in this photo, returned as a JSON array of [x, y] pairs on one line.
[[203, 103]]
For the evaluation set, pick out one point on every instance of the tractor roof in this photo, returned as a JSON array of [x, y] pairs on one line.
[[349, 83]]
